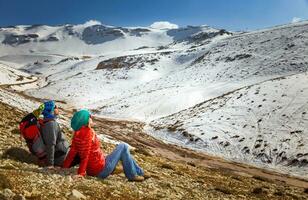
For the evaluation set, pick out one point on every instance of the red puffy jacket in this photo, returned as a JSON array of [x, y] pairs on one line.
[[86, 144]]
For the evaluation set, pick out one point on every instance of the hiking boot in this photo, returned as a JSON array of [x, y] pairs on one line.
[[138, 179], [147, 175]]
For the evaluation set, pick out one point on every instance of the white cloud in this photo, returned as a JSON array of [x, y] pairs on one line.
[[163, 25], [296, 19], [92, 22], [80, 27]]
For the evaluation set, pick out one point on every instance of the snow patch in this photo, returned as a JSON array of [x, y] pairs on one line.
[[296, 19]]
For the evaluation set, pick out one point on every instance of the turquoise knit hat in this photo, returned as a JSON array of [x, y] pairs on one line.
[[80, 118]]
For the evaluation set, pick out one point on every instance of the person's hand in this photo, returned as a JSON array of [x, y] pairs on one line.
[[77, 177]]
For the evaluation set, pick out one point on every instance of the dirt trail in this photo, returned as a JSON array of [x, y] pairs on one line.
[[133, 133]]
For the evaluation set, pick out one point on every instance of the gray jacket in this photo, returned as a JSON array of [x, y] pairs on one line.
[[55, 141]]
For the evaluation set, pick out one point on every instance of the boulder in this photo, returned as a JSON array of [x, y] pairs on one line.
[[76, 195]]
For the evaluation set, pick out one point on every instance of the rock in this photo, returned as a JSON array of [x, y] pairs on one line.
[[19, 197], [167, 166], [8, 193], [75, 195], [4, 182], [258, 190], [27, 194], [68, 179], [145, 151], [222, 189], [2, 196]]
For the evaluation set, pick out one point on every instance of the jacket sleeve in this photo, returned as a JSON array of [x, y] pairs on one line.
[[70, 156], [49, 135], [85, 148]]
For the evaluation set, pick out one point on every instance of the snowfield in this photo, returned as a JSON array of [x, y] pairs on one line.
[[241, 96], [264, 124], [9, 75]]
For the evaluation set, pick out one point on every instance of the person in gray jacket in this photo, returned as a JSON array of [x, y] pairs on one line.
[[55, 141]]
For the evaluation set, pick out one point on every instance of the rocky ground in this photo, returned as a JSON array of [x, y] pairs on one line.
[[21, 178]]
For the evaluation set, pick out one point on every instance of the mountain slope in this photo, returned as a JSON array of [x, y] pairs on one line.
[[21, 178], [264, 124], [93, 39], [181, 78], [164, 75]]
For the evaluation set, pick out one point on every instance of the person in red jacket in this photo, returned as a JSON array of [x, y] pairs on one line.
[[92, 160]]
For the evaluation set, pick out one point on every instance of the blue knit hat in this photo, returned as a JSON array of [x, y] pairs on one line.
[[49, 107], [80, 118]]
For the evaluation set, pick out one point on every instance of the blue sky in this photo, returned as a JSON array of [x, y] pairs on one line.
[[228, 14]]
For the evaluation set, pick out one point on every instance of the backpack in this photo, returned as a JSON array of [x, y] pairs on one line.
[[30, 130]]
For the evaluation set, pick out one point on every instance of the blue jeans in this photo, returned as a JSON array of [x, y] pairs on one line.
[[121, 153]]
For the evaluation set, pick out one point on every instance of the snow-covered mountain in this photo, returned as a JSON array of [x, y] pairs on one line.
[[94, 39], [238, 95]]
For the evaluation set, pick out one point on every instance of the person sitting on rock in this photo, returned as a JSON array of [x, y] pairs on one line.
[[86, 144], [55, 141]]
